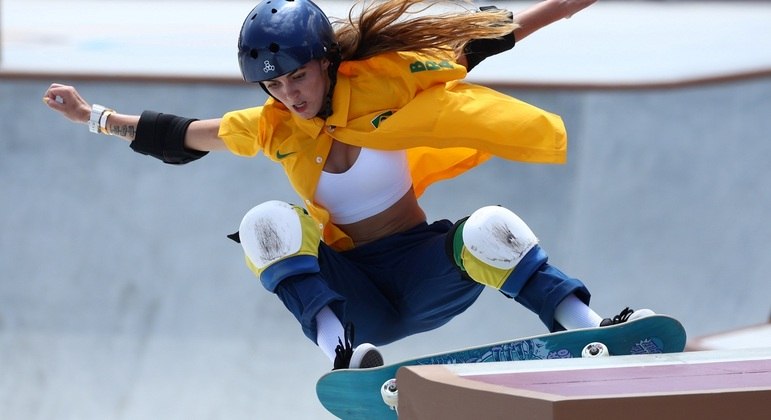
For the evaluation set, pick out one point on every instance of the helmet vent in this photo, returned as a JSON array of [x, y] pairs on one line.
[[254, 52], [274, 47]]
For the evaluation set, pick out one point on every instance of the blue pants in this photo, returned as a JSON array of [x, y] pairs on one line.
[[406, 284]]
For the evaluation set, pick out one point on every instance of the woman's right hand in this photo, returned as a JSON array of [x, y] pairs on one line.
[[200, 135], [68, 102]]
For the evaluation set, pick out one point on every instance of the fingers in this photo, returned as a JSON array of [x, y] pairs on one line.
[[58, 93], [65, 99], [54, 102], [52, 90], [53, 97]]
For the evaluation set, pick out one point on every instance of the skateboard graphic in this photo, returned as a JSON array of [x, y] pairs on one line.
[[372, 393]]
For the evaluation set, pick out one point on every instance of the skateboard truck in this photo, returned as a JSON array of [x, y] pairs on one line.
[[390, 393], [595, 349]]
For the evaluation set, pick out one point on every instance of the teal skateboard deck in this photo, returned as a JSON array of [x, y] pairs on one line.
[[356, 393]]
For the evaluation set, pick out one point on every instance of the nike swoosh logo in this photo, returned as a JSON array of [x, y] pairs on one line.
[[280, 155]]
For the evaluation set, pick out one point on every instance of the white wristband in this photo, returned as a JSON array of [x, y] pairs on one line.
[[96, 115]]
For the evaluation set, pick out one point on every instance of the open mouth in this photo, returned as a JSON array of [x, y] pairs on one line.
[[300, 107]]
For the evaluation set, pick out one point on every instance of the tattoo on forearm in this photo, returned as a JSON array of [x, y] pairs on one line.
[[128, 131]]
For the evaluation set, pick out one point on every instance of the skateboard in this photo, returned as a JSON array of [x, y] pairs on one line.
[[372, 393]]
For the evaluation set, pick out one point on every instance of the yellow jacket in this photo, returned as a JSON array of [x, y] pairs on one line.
[[398, 101]]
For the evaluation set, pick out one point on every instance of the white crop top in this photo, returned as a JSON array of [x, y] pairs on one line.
[[376, 181]]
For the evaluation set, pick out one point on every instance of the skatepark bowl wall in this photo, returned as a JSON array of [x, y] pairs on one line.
[[122, 298]]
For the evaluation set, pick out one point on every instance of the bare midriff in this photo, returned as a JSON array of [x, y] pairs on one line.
[[403, 215]]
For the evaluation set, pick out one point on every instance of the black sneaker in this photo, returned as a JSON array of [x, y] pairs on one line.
[[626, 315]]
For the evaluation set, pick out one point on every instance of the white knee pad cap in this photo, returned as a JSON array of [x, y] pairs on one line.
[[498, 237], [270, 231]]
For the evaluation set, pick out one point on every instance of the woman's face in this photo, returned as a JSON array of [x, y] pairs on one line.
[[302, 91]]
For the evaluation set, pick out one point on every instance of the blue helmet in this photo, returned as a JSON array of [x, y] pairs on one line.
[[280, 36]]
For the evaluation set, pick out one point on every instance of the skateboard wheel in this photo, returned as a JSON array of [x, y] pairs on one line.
[[595, 350], [390, 393]]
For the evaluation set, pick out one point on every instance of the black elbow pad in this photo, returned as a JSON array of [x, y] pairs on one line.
[[477, 50], [162, 136]]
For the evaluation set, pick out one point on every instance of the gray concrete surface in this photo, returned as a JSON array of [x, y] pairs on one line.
[[121, 298]]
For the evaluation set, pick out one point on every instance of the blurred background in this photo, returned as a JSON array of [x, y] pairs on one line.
[[122, 298]]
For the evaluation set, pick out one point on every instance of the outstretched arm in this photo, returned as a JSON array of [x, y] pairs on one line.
[[546, 12], [200, 135]]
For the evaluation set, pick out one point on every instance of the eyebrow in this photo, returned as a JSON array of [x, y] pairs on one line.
[[290, 73]]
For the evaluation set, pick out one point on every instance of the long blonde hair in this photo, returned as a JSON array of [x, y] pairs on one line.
[[401, 25]]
